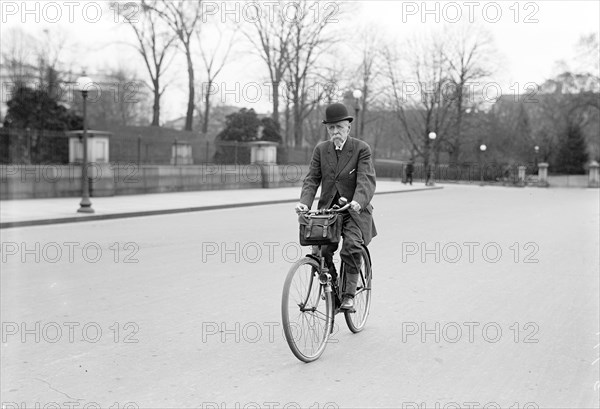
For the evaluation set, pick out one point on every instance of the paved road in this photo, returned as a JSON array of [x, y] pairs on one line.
[[183, 311]]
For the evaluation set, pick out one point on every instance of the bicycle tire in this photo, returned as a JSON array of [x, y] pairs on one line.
[[304, 301], [357, 320]]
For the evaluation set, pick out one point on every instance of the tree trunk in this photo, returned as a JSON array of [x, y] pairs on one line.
[[375, 142], [363, 114], [206, 109], [297, 125], [454, 154], [275, 114], [287, 124], [426, 158], [361, 130], [459, 113], [190, 109], [156, 106]]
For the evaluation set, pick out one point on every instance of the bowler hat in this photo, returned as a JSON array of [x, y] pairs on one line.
[[335, 113]]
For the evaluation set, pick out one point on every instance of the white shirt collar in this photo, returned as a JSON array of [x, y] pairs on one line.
[[341, 146]]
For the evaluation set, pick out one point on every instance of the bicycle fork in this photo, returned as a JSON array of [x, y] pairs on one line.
[[325, 280], [324, 276]]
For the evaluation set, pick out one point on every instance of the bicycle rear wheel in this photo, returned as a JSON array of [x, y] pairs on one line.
[[362, 299], [306, 311]]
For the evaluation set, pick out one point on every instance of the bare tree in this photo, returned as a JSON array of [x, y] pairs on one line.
[[126, 102], [154, 45], [18, 55], [270, 36], [329, 86], [568, 100], [468, 52], [587, 54], [309, 40], [213, 64], [419, 103], [34, 61], [182, 16], [369, 71], [49, 58]]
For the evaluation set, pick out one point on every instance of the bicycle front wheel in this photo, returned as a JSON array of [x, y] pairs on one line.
[[362, 299], [306, 311]]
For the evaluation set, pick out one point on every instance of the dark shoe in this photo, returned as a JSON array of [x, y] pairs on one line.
[[347, 303]]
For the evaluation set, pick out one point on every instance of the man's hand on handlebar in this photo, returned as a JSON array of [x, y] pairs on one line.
[[301, 208], [340, 206]]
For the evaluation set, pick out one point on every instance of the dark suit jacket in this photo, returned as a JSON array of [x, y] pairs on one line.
[[353, 177]]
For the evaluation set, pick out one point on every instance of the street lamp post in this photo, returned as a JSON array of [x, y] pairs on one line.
[[85, 206], [482, 149], [537, 151], [430, 171], [357, 94]]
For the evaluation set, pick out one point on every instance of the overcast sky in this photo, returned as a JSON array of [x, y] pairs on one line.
[[530, 37]]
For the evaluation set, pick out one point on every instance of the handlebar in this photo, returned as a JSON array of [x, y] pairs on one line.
[[333, 209]]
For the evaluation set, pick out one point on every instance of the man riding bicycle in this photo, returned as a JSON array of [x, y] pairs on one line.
[[343, 166]]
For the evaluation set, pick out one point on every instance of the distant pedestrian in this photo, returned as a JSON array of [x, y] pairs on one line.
[[410, 168]]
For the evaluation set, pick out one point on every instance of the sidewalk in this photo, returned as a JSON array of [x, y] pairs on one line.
[[33, 212]]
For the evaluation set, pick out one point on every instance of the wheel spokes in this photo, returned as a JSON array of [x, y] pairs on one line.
[[307, 310]]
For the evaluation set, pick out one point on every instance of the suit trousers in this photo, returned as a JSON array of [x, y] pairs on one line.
[[350, 254]]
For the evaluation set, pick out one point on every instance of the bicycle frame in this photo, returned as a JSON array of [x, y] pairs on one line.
[[327, 283]]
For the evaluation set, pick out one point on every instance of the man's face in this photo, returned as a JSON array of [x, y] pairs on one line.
[[338, 132]]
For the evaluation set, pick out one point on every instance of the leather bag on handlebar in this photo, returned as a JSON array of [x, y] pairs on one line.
[[320, 229]]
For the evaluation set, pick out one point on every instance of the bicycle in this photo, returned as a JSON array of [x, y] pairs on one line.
[[312, 297]]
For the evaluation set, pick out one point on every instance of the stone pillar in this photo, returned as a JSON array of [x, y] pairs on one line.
[[267, 174], [543, 174], [522, 175], [181, 153], [594, 177]]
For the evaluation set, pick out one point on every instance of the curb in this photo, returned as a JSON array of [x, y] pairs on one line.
[[74, 219]]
